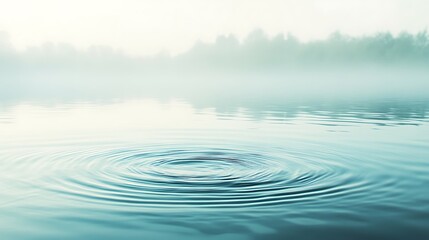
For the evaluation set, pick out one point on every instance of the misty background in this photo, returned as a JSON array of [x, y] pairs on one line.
[[379, 65], [222, 54]]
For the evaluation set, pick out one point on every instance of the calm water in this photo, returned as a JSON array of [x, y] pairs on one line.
[[149, 169]]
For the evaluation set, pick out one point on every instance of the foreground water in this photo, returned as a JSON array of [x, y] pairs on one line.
[[149, 169]]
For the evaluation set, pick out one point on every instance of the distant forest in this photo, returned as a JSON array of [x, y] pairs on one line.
[[257, 50], [376, 66]]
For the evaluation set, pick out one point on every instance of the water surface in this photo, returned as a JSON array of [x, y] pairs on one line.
[[172, 169]]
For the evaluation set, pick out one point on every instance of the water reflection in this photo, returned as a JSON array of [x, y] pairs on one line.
[[189, 170], [330, 112]]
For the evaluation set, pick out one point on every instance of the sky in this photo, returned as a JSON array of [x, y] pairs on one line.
[[144, 27]]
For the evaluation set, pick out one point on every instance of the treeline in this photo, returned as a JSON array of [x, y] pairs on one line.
[[376, 66], [257, 50]]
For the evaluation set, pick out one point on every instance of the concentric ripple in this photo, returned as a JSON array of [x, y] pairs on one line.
[[201, 177]]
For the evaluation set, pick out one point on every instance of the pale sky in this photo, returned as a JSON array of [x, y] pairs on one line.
[[141, 27]]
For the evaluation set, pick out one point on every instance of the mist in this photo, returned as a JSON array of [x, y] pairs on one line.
[[282, 67]]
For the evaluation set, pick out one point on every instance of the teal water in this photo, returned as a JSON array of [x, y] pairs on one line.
[[172, 169]]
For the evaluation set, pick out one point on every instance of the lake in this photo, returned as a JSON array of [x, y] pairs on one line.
[[149, 168]]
